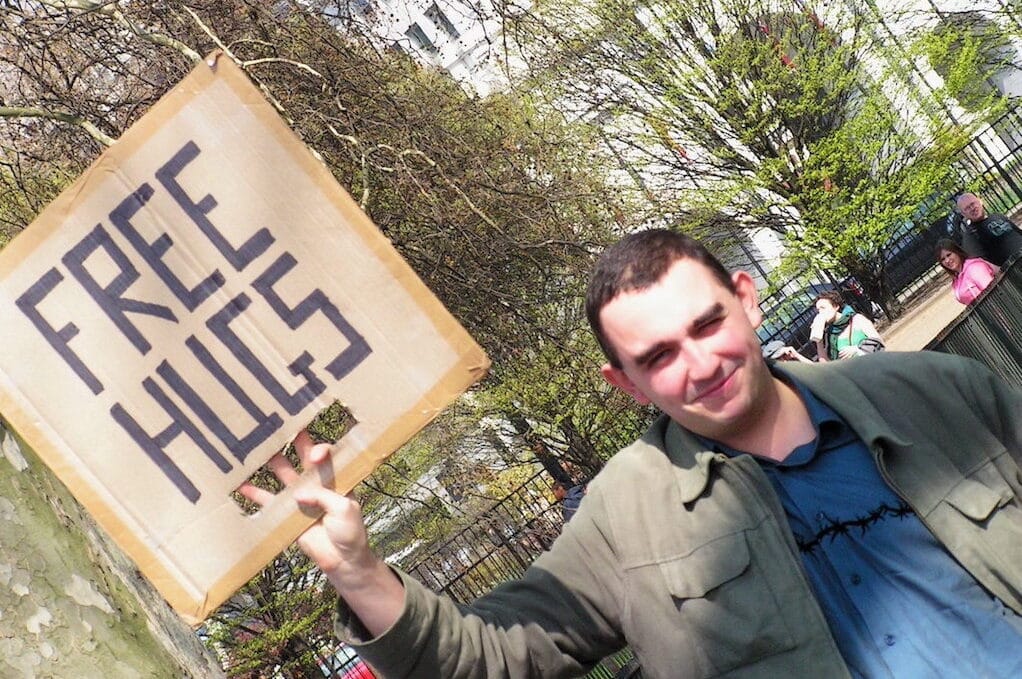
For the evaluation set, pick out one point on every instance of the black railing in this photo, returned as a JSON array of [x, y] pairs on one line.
[[991, 163], [497, 546], [990, 330]]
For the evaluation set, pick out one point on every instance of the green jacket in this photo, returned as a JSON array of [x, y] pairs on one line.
[[686, 555]]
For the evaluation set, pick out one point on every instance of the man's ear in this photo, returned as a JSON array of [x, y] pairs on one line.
[[745, 290], [617, 378]]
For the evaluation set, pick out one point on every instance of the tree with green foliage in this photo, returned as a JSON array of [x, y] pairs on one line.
[[969, 50], [875, 180], [729, 96], [280, 621], [792, 119]]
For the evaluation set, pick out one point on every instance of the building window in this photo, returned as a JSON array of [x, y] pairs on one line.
[[440, 20], [420, 40], [365, 8]]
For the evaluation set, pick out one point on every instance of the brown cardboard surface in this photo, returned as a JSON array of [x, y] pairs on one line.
[[173, 319]]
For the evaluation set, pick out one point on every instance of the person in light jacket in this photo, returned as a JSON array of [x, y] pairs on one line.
[[852, 519], [844, 332]]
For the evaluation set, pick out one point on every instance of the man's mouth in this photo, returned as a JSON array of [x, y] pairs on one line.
[[714, 390]]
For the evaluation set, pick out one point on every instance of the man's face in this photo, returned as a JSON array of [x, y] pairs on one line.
[[688, 345], [971, 207]]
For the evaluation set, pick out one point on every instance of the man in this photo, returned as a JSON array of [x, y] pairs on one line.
[[854, 519], [995, 238]]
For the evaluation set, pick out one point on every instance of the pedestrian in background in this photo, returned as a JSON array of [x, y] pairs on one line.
[[570, 498], [845, 333], [992, 237], [970, 276]]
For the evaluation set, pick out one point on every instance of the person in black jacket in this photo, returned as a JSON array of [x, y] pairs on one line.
[[992, 237]]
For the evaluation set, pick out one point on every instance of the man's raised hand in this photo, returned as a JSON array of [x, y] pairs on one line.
[[338, 543]]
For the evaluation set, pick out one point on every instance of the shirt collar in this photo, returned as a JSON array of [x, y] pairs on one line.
[[693, 458], [831, 429]]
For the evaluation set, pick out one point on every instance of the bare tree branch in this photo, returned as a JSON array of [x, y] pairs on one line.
[[59, 116], [112, 10]]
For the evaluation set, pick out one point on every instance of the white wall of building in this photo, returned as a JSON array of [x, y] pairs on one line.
[[459, 37]]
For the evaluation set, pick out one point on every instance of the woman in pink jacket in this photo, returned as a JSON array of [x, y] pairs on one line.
[[970, 276]]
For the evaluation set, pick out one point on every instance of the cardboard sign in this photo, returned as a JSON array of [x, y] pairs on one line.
[[176, 316]]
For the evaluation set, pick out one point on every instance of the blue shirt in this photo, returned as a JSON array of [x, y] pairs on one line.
[[571, 501], [898, 605]]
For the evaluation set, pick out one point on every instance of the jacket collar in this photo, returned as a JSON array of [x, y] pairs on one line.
[[830, 384]]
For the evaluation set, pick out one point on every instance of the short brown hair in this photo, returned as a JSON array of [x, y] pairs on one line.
[[832, 296], [637, 262]]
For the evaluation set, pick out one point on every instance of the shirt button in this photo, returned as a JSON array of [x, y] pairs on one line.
[[856, 579], [889, 639], [821, 517]]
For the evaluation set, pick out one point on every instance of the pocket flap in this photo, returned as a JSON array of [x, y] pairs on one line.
[[976, 500], [708, 567]]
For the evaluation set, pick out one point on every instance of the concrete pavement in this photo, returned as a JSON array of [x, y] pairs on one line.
[[929, 315]]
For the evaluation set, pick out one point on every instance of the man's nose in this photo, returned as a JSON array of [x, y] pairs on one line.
[[700, 361]]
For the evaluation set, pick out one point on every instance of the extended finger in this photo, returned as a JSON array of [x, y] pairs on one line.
[[319, 453], [303, 442], [282, 469], [255, 494], [310, 452], [326, 500]]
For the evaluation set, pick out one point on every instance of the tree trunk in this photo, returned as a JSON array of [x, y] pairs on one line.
[[581, 450], [71, 603], [539, 448]]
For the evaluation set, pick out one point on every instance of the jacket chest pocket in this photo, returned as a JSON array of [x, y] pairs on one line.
[[986, 510], [726, 604], [978, 501], [980, 523]]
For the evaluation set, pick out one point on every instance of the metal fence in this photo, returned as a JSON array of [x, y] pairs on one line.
[[498, 545], [990, 330], [990, 164]]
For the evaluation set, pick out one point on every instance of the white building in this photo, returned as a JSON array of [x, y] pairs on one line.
[[460, 37]]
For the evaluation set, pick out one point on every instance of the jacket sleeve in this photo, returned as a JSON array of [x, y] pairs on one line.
[[560, 618]]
